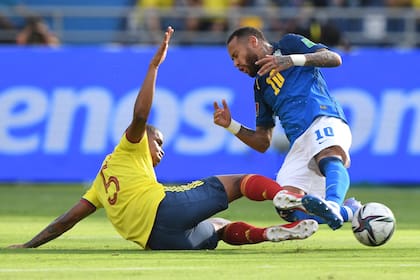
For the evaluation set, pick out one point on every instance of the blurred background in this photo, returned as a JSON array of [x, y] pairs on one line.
[[70, 71], [340, 23]]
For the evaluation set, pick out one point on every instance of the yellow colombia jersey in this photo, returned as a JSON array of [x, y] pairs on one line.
[[127, 188]]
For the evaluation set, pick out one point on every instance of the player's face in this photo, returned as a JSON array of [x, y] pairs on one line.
[[155, 146], [242, 52]]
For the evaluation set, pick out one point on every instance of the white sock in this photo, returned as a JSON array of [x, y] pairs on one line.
[[349, 213]]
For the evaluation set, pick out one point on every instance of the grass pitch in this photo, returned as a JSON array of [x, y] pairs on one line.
[[93, 250]]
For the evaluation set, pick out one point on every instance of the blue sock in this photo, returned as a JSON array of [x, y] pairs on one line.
[[337, 179]]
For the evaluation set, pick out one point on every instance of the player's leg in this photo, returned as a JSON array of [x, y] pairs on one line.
[[336, 176], [181, 220], [253, 186], [347, 211], [200, 237], [184, 218], [240, 233], [337, 184], [330, 140], [294, 173], [259, 188], [299, 170]]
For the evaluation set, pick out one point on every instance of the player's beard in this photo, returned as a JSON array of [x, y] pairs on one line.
[[251, 58]]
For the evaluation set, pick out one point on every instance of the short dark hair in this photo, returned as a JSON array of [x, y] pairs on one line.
[[245, 32], [151, 129]]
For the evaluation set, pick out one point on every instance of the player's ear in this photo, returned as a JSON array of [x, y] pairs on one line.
[[253, 41]]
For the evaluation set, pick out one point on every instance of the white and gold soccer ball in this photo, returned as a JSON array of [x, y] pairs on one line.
[[373, 224]]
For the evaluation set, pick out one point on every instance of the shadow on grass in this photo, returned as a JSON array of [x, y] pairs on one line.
[[222, 251]]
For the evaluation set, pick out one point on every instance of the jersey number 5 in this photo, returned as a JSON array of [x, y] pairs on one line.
[[112, 186]]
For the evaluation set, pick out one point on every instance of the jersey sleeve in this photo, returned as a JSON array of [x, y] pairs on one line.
[[295, 44], [264, 113], [92, 197]]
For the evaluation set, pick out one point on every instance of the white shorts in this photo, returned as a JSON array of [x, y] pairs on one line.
[[299, 168]]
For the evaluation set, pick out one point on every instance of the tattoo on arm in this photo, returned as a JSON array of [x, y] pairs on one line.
[[61, 224], [51, 232], [324, 58]]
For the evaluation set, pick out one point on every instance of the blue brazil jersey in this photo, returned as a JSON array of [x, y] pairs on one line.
[[296, 95]]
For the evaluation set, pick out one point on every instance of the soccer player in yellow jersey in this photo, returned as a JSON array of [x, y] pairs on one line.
[[161, 217]]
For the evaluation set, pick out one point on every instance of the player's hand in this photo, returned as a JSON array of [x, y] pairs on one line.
[[273, 64], [161, 52], [222, 116]]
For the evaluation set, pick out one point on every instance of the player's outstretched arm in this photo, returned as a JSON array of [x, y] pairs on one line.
[[259, 139], [59, 226], [144, 99]]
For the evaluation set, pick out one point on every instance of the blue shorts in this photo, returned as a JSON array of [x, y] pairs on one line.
[[180, 220]]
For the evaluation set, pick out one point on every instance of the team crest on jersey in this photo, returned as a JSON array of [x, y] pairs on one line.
[[277, 53], [257, 109], [308, 42]]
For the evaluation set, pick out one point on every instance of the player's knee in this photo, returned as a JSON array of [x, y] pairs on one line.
[[330, 152], [218, 223]]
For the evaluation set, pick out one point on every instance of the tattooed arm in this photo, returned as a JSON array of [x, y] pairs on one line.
[[320, 58], [81, 210], [323, 58]]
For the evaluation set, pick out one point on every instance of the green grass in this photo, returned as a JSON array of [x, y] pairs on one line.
[[93, 250]]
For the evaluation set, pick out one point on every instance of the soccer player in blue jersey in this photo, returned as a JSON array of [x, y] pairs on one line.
[[163, 217], [290, 86]]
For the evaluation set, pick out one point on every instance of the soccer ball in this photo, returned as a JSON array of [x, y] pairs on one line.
[[373, 224]]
